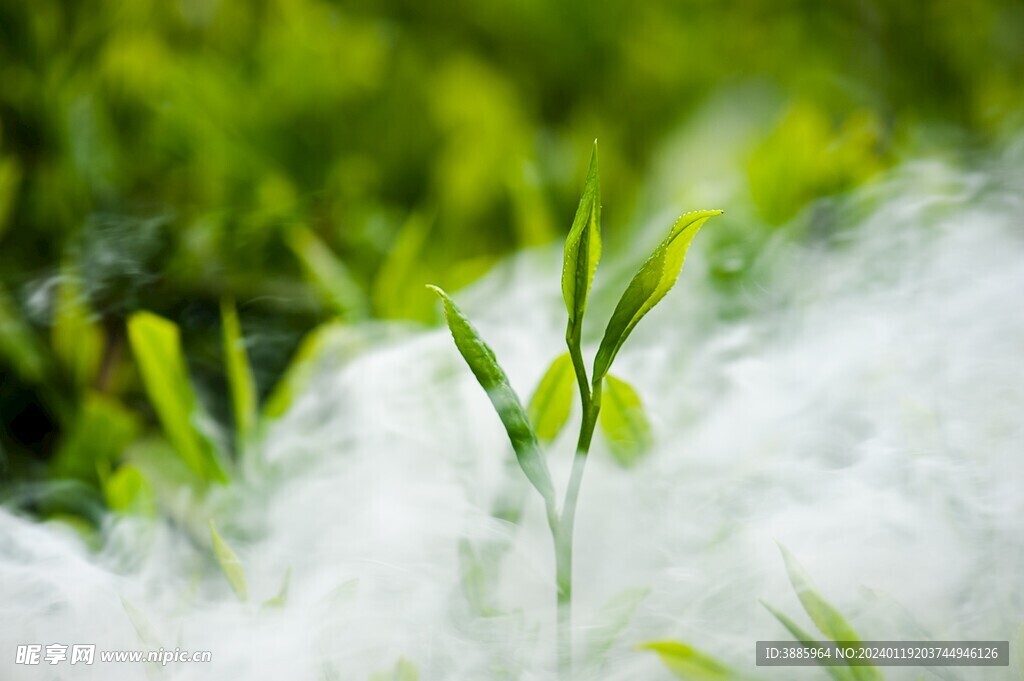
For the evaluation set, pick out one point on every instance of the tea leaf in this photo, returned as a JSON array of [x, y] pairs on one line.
[[229, 564], [837, 673], [654, 280], [76, 338], [157, 348], [582, 251], [623, 421], [99, 434], [240, 379], [828, 620], [128, 491], [689, 663], [281, 598], [492, 379], [327, 273], [552, 400]]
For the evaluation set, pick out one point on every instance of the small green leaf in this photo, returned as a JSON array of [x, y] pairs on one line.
[[76, 338], [582, 251], [101, 430], [689, 663], [839, 673], [654, 280], [17, 343], [156, 345], [229, 564], [611, 621], [624, 422], [828, 620], [240, 379], [552, 400], [403, 265], [281, 598], [492, 379], [128, 491]]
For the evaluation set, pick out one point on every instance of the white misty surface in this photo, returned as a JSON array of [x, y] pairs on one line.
[[865, 413]]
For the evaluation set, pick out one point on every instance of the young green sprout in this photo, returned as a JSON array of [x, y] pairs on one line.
[[582, 253]]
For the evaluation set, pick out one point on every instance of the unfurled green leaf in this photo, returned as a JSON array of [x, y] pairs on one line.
[[127, 490], [624, 422], [828, 620], [240, 380], [156, 345], [229, 564], [689, 663], [582, 251], [492, 379], [77, 338], [839, 673], [328, 274], [99, 434], [611, 621], [552, 400], [654, 280]]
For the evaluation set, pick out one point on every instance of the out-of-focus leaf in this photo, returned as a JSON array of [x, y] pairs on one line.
[[127, 490], [10, 178], [76, 338], [624, 422], [240, 379], [828, 620], [611, 621], [552, 400], [654, 280], [229, 564], [492, 379], [99, 434], [403, 671], [582, 251], [689, 663], [396, 293], [17, 344], [281, 598], [328, 274], [837, 673], [141, 624], [475, 583], [157, 348]]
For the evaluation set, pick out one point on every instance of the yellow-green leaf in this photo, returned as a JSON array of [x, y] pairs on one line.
[[654, 280], [582, 251], [281, 598], [839, 673], [17, 343], [76, 337], [101, 430], [327, 273], [240, 379], [156, 345], [229, 564], [492, 379], [552, 400], [127, 490], [624, 422], [689, 663]]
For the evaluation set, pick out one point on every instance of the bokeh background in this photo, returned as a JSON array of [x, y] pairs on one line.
[[316, 162]]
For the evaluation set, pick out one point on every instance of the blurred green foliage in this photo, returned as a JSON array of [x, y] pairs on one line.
[[312, 159]]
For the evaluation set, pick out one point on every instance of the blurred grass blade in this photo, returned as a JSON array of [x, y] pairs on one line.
[[394, 293], [551, 402], [141, 624], [281, 598], [156, 345], [229, 564], [837, 673], [624, 422], [826, 618], [492, 379], [689, 663], [17, 344], [582, 251], [240, 379], [76, 338], [611, 621], [654, 280], [328, 274]]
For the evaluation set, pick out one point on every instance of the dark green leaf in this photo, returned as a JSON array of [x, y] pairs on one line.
[[654, 280], [552, 400], [624, 422], [492, 379], [582, 250]]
